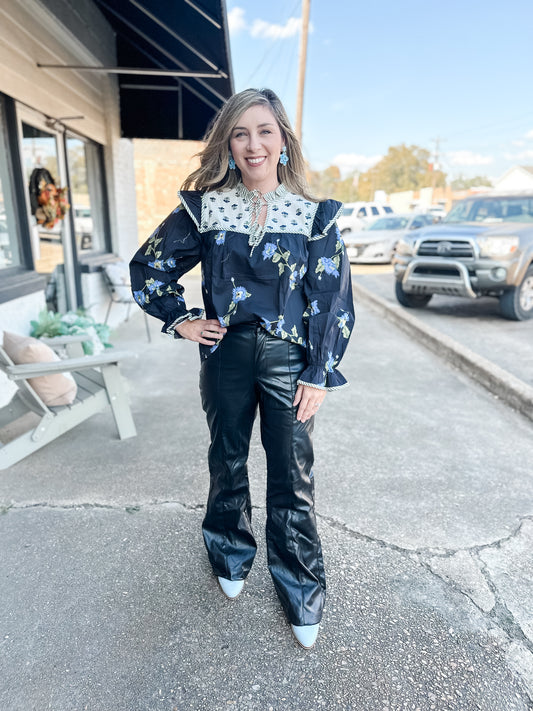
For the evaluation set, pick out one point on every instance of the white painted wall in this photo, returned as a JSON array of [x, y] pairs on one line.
[[31, 33], [15, 316]]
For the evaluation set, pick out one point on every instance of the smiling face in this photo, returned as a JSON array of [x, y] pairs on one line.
[[256, 142]]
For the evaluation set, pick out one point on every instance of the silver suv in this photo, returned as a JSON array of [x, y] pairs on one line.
[[483, 247], [355, 215]]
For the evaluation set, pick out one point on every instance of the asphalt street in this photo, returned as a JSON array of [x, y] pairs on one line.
[[424, 492], [477, 324]]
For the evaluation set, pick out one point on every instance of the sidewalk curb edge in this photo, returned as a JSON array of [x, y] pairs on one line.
[[505, 386]]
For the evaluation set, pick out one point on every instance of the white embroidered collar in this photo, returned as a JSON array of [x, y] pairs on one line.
[[232, 210], [252, 195]]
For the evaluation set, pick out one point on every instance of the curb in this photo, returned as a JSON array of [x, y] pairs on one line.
[[505, 386]]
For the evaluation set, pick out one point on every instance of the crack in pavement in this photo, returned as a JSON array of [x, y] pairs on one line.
[[128, 508], [499, 614], [329, 520], [428, 551]]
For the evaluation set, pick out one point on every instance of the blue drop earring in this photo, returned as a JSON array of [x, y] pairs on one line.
[[284, 158], [231, 161]]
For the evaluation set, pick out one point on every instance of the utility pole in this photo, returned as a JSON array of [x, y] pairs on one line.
[[301, 69], [436, 166]]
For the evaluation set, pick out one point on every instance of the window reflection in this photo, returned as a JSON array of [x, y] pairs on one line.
[[39, 153], [86, 194]]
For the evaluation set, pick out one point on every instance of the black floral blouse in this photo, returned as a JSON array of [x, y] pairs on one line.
[[292, 275]]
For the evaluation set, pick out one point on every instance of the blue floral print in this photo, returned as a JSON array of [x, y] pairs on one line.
[[305, 300], [343, 321], [157, 264], [268, 251], [153, 285], [330, 363], [162, 265], [239, 293], [325, 264]]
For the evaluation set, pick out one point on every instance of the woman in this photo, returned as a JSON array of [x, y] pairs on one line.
[[278, 315]]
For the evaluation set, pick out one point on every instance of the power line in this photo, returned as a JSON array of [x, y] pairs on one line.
[[273, 45]]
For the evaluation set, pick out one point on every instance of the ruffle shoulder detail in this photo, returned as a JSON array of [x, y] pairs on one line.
[[192, 202], [326, 215]]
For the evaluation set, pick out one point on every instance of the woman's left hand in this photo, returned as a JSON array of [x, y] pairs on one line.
[[309, 399]]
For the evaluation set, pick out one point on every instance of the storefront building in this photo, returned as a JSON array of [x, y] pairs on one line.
[[79, 79]]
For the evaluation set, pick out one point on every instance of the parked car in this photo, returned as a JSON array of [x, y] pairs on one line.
[[483, 247], [355, 215], [83, 225], [375, 244], [438, 211]]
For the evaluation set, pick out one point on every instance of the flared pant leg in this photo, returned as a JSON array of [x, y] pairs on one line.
[[293, 545], [252, 368], [230, 403]]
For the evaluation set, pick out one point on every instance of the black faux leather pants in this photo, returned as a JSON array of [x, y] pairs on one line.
[[251, 368]]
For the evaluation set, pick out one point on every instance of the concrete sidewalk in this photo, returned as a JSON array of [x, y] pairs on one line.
[[425, 508]]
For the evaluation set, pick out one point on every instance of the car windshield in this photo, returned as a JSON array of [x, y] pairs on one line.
[[347, 211], [492, 210], [389, 223]]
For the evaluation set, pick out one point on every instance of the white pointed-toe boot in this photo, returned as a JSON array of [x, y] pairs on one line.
[[231, 588], [305, 635]]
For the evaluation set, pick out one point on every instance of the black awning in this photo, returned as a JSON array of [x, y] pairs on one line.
[[183, 36]]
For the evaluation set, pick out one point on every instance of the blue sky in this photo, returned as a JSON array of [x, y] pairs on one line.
[[387, 72]]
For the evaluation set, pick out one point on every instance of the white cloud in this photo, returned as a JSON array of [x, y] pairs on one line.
[[236, 21], [348, 162], [468, 158], [523, 155], [518, 144], [270, 30], [262, 29], [529, 134]]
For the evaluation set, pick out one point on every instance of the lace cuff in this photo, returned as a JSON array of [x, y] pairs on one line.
[[191, 315], [315, 376]]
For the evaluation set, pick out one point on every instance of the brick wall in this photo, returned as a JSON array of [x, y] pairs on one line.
[[160, 169]]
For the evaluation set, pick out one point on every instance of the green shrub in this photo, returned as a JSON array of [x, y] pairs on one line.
[[51, 324]]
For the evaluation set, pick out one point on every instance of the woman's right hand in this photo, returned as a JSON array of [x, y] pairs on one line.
[[206, 331]]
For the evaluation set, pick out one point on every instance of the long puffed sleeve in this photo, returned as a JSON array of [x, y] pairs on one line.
[[328, 288], [172, 250]]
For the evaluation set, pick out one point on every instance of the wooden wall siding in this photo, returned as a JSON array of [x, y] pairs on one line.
[[30, 33]]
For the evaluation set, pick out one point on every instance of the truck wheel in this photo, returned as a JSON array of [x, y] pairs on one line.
[[517, 303], [412, 301]]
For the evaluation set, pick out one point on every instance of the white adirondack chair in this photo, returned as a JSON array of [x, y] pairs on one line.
[[100, 384]]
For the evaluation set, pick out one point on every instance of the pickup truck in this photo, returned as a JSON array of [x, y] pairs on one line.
[[483, 247]]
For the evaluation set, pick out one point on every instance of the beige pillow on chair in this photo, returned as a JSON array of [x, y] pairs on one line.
[[54, 390]]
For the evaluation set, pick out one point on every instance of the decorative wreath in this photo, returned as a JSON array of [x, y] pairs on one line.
[[49, 202]]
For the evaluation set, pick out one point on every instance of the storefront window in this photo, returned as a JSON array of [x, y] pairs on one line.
[[40, 152], [86, 194]]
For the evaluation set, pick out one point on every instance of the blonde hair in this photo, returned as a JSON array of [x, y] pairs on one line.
[[214, 172]]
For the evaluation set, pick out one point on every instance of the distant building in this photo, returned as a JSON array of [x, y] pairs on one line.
[[519, 177]]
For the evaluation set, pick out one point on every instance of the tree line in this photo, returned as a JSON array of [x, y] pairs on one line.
[[403, 168]]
